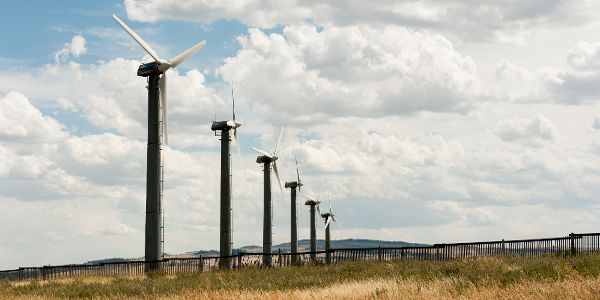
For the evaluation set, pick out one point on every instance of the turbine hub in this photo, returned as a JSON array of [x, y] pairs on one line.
[[233, 124], [163, 66]]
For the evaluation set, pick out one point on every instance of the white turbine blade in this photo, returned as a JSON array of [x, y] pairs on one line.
[[235, 137], [278, 180], [328, 221], [233, 105], [310, 198], [318, 209], [261, 151], [336, 222], [278, 141], [237, 142], [185, 54], [297, 172], [320, 190], [137, 38], [162, 85]]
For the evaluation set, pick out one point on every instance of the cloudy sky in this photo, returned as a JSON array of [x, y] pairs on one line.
[[428, 121]]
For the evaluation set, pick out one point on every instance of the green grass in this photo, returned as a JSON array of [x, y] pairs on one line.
[[480, 272]]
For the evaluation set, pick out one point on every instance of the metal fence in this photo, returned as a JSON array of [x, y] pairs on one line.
[[573, 244]]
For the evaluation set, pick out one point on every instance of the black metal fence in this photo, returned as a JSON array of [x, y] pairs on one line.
[[573, 244]]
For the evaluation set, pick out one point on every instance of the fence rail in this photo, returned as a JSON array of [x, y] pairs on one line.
[[573, 244]]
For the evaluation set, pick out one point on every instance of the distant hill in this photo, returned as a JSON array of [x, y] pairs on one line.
[[303, 245], [108, 260]]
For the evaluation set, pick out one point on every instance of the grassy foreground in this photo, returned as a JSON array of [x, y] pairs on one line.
[[490, 278]]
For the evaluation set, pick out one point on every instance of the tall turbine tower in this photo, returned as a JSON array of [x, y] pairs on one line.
[[327, 218], [313, 202], [267, 158], [224, 127], [156, 84], [294, 226]]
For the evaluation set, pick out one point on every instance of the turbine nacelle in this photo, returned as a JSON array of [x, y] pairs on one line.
[[327, 215], [153, 68], [148, 69], [267, 157], [225, 125], [293, 184], [312, 202], [263, 159]]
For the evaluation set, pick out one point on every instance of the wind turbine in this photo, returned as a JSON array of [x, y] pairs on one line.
[[156, 84], [224, 127], [327, 218], [313, 202], [294, 226], [267, 159]]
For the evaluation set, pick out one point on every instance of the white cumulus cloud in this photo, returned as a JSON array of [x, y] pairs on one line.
[[109, 95], [507, 70], [535, 131], [585, 56], [75, 48], [305, 74], [577, 84], [506, 21], [596, 123], [20, 121]]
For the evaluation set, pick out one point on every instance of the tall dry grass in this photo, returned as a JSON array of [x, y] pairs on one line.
[[495, 278], [445, 288]]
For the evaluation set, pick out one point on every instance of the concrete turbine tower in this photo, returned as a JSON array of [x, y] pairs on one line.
[[156, 84], [327, 218], [313, 202], [267, 159], [294, 218], [225, 227]]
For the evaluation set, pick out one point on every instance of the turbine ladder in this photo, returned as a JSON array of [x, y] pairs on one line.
[[161, 194], [231, 200]]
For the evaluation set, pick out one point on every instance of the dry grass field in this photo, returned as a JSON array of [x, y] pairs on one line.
[[490, 278]]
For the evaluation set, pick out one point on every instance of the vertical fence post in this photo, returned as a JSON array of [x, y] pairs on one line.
[[239, 259], [279, 257], [503, 248], [379, 253], [572, 238]]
